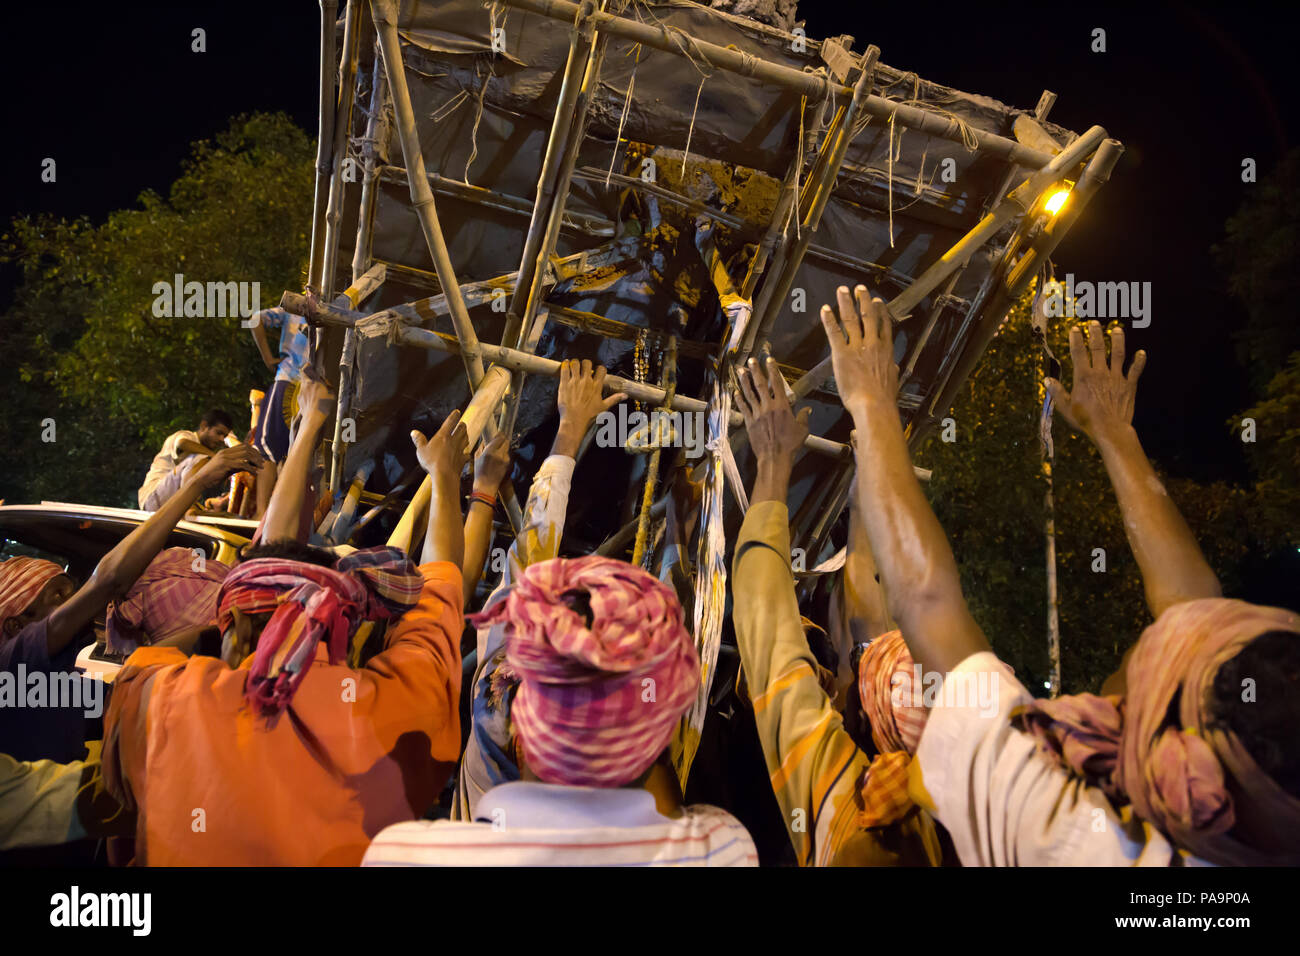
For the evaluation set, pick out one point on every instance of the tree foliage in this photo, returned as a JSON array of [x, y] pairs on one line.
[[989, 493], [81, 333]]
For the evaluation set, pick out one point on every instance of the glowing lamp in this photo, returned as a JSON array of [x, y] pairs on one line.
[[1056, 201]]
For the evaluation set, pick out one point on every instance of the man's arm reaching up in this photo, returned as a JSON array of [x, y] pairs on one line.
[[119, 568], [284, 511], [490, 467], [1101, 406], [443, 457], [917, 568]]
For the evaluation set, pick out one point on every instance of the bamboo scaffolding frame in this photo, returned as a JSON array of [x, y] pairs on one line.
[[482, 196], [576, 66], [364, 282], [815, 87], [531, 320], [669, 386], [516, 359], [747, 229], [384, 13], [374, 149]]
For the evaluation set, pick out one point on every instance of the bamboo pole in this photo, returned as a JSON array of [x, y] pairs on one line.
[[385, 17], [373, 149], [324, 140], [531, 322], [1018, 202], [824, 178], [348, 91], [812, 85], [515, 359], [581, 50], [481, 196]]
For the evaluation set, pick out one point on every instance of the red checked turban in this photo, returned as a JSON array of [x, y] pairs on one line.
[[309, 604], [21, 582], [600, 694]]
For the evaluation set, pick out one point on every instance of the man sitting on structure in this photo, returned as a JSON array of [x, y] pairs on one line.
[[1172, 768], [181, 453], [279, 753]]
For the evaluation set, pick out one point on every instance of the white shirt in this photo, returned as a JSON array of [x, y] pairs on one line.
[[1005, 804], [167, 458], [542, 824]]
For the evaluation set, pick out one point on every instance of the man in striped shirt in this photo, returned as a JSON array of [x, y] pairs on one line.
[[586, 667], [842, 807]]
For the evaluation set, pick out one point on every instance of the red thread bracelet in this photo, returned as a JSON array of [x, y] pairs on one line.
[[487, 499]]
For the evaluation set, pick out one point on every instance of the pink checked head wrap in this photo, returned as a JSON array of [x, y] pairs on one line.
[[21, 582], [310, 604], [1160, 747], [890, 699], [597, 703]]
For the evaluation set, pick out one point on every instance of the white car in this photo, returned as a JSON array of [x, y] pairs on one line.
[[78, 536]]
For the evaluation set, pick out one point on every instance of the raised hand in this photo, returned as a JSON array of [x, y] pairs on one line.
[[444, 455], [492, 464], [862, 349], [775, 434], [579, 398], [228, 461], [1102, 400], [580, 402], [315, 398]]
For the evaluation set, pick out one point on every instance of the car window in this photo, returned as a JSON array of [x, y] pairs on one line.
[[10, 548]]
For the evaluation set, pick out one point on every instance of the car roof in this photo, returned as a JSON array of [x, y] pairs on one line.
[[236, 531]]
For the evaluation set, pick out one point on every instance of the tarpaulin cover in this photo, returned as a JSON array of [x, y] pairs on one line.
[[484, 119]]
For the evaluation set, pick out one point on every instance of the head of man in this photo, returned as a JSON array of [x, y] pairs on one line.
[[604, 666], [30, 590], [1203, 746], [891, 697], [284, 599], [213, 428]]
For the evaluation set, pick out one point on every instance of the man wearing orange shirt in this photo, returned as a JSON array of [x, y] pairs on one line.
[[278, 753]]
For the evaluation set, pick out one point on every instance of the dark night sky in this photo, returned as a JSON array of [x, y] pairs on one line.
[[1189, 90]]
